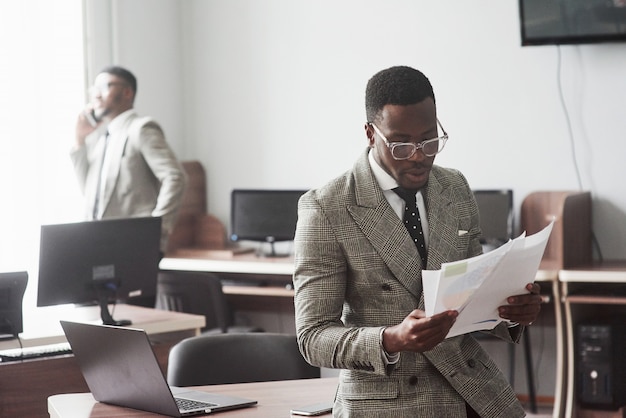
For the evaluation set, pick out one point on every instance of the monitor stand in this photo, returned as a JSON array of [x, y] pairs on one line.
[[103, 290], [273, 252]]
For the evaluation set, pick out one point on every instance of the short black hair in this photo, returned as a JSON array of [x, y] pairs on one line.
[[122, 73], [400, 85]]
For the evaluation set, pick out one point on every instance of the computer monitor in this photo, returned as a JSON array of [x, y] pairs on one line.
[[264, 215], [12, 288], [496, 216], [99, 261]]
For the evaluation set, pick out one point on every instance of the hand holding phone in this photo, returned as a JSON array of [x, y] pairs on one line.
[[90, 115], [86, 123], [313, 409]]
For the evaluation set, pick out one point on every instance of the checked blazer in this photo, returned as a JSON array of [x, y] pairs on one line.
[[357, 271]]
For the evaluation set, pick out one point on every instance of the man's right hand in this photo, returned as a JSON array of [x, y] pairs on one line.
[[417, 332], [84, 127]]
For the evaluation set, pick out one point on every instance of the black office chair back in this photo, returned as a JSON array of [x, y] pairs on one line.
[[237, 358], [201, 294]]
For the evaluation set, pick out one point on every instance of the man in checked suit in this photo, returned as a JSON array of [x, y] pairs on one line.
[[359, 301], [123, 163]]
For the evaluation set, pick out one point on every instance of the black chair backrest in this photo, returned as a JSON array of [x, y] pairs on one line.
[[237, 358], [196, 293]]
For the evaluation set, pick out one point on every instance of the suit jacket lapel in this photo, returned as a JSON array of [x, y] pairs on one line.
[[442, 223], [384, 230]]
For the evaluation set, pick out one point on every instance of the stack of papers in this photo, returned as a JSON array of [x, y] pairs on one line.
[[477, 286]]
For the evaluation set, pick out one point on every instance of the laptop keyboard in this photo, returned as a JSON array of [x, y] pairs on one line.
[[189, 405]]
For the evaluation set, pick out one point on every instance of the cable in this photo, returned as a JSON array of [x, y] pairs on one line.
[[567, 118], [594, 239]]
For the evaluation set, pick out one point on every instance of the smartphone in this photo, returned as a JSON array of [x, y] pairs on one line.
[[91, 118], [313, 409]]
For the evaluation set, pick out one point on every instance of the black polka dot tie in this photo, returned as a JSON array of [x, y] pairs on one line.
[[412, 220]]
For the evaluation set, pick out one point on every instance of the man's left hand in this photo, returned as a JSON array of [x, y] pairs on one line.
[[523, 309]]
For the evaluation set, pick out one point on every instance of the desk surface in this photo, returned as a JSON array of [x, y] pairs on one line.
[[275, 399], [256, 265], [603, 272], [42, 327], [238, 263]]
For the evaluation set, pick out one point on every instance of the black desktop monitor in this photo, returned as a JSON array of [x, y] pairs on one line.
[[99, 261], [264, 215], [496, 216], [12, 287]]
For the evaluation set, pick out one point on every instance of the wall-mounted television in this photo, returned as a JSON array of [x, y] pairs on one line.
[[264, 215], [101, 262], [556, 22]]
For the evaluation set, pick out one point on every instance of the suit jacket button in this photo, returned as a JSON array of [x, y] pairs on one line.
[[386, 287], [471, 362], [413, 380]]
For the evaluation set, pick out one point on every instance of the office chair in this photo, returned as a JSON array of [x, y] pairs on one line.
[[198, 293], [214, 359]]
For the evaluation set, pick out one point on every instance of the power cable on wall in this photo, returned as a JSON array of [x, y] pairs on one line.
[[594, 240]]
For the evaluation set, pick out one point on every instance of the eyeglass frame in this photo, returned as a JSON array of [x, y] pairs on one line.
[[101, 89], [420, 145]]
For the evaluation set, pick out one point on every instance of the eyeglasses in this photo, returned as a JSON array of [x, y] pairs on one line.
[[405, 150], [102, 88]]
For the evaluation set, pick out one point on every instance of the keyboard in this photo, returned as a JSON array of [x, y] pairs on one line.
[[51, 350], [191, 405]]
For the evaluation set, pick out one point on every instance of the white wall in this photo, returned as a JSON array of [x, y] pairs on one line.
[[269, 93]]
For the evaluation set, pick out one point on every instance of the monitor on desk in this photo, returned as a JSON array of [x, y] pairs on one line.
[[496, 216], [264, 215], [12, 288], [99, 261]]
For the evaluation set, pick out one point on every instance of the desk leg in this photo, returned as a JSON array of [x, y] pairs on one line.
[[530, 376], [561, 352]]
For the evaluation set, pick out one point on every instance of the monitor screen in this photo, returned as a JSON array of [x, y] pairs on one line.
[[98, 261], [12, 287], [264, 215], [555, 22], [496, 215]]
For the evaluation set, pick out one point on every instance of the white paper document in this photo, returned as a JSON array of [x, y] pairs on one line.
[[477, 286]]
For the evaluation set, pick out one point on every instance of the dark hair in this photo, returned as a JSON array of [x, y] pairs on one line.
[[399, 85], [122, 73]]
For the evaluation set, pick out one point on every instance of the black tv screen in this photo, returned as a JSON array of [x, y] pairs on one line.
[[555, 22], [264, 215], [98, 261]]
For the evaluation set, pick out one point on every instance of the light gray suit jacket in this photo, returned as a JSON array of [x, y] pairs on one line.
[[357, 271], [144, 177]]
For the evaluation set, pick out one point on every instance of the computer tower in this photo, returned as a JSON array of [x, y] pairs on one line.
[[600, 364]]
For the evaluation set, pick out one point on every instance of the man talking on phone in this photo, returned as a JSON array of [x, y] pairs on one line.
[[124, 165]]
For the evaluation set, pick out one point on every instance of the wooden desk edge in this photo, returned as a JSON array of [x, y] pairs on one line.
[[283, 395]]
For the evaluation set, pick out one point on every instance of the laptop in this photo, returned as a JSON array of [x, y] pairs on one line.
[[121, 368]]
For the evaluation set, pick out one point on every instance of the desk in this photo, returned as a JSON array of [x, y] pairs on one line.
[[256, 287], [24, 386], [275, 399], [271, 305], [201, 260], [589, 293], [42, 327]]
